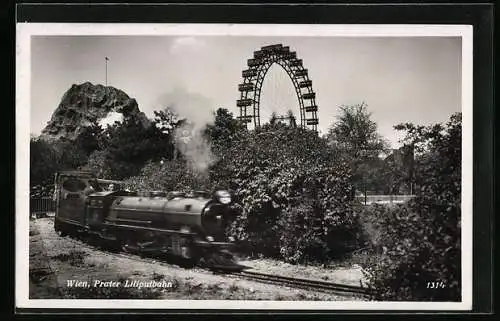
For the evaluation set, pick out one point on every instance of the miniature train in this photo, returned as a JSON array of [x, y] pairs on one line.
[[187, 227]]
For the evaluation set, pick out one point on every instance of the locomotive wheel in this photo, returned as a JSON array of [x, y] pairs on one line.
[[111, 246], [203, 262], [128, 247], [187, 263], [114, 248], [90, 240], [59, 231]]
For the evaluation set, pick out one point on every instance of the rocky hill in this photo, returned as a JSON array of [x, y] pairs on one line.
[[85, 104]]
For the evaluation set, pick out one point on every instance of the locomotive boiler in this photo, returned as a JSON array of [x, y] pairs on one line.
[[190, 227]]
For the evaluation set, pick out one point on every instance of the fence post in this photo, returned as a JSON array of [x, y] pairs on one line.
[[41, 205]]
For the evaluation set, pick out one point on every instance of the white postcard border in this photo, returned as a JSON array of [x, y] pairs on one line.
[[23, 91]]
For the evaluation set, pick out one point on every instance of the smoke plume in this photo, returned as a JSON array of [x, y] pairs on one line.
[[194, 147], [197, 110]]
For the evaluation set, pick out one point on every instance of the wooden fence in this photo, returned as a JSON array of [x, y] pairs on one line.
[[384, 199], [42, 205]]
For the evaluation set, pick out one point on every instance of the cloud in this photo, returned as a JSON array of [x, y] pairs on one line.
[[182, 45]]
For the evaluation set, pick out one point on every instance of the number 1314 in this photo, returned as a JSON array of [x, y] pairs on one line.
[[435, 285]]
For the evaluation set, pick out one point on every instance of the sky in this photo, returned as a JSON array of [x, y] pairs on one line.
[[401, 79]]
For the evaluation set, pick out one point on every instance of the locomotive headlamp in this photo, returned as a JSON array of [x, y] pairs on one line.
[[223, 196]]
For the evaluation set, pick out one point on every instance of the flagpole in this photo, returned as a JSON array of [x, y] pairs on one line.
[[106, 60]]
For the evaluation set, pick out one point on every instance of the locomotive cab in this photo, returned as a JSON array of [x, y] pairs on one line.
[[97, 207], [71, 191], [81, 202]]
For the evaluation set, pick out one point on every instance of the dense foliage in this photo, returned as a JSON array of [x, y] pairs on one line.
[[293, 197], [116, 152], [168, 176], [46, 158], [355, 136], [130, 145], [43, 162], [420, 241]]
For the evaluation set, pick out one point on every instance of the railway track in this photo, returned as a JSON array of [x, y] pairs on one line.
[[307, 284], [252, 275]]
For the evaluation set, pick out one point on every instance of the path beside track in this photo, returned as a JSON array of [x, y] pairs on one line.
[[67, 259]]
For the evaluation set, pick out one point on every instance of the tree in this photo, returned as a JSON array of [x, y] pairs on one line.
[[130, 145], [166, 120], [223, 130], [90, 139], [43, 162], [277, 120], [355, 136], [70, 156], [273, 119], [423, 237], [46, 158], [291, 118], [390, 176]]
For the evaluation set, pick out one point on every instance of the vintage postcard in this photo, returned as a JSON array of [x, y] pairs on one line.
[[213, 166]]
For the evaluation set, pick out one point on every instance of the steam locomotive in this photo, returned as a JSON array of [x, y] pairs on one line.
[[187, 227]]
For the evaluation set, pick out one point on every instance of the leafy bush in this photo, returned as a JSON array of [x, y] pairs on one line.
[[291, 196], [320, 224], [39, 191], [97, 164], [412, 251], [420, 242], [167, 176]]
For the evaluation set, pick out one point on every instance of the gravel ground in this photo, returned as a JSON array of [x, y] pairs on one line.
[[55, 262]]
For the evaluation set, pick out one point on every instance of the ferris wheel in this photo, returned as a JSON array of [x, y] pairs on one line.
[[253, 78]]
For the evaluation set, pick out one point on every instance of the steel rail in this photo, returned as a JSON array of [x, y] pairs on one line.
[[309, 284]]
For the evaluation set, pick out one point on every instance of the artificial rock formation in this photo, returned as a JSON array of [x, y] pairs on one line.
[[85, 104]]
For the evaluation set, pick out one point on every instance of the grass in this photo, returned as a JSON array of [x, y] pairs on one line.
[[157, 277], [74, 258], [233, 288], [39, 275]]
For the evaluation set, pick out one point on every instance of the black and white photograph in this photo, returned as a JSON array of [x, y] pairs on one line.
[[203, 166]]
